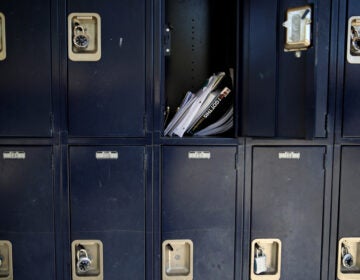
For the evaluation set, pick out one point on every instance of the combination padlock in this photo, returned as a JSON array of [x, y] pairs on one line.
[[80, 39], [347, 258], [83, 261], [260, 261]]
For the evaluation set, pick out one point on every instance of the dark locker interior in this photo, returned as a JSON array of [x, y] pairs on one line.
[[91, 186]]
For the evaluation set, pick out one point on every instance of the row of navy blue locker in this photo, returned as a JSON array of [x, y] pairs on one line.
[[201, 195]]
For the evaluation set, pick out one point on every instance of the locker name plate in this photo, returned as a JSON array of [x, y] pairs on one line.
[[14, 155], [199, 155], [106, 155], [289, 155]]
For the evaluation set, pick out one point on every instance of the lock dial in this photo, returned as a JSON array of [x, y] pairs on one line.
[[81, 41], [348, 261], [84, 265]]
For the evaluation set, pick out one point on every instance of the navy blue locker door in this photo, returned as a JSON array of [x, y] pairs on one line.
[[351, 115], [287, 203], [26, 207], [198, 203], [107, 97], [25, 74], [108, 204], [286, 96], [349, 213]]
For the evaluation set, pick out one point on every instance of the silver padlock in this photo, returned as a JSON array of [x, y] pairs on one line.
[[83, 261], [1, 260], [260, 261], [80, 39]]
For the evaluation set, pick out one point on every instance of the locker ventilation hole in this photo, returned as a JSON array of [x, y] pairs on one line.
[[193, 63]]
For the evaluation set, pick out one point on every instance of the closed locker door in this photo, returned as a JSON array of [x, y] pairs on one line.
[[287, 204], [351, 114], [107, 97], [25, 73], [26, 207], [348, 242], [349, 215], [198, 203], [108, 204]]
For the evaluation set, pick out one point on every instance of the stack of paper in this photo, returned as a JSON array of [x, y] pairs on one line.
[[206, 112]]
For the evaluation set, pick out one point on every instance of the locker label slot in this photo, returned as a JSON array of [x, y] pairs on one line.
[[289, 155], [106, 155], [2, 37], [199, 155], [6, 262], [14, 155]]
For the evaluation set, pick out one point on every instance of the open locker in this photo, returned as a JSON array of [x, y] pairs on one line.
[[107, 198], [198, 39], [198, 211]]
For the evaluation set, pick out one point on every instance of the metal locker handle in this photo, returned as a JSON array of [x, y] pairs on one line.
[[6, 263], [353, 40], [348, 266], [84, 37], [2, 37], [177, 259], [266, 259], [87, 260]]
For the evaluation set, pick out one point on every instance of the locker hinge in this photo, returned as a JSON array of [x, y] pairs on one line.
[[167, 40], [145, 160], [145, 123], [51, 123], [236, 161], [52, 161], [326, 124]]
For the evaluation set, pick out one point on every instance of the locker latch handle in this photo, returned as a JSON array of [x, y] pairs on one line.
[[298, 29]]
